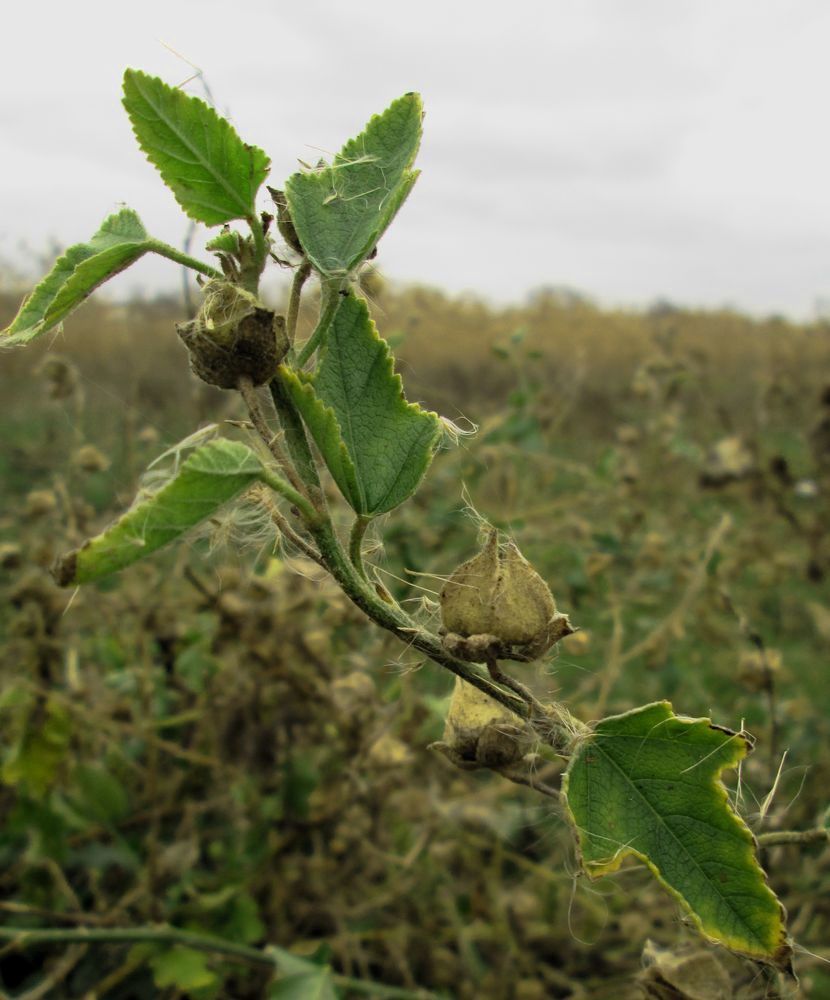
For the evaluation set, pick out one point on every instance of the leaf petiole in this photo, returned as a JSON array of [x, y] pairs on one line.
[[171, 253]]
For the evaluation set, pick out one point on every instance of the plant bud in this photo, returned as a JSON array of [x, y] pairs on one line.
[[285, 223], [233, 336], [498, 593]]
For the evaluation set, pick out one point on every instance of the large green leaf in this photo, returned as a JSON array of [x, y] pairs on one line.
[[209, 478], [120, 241], [375, 444], [213, 174], [341, 210], [647, 783]]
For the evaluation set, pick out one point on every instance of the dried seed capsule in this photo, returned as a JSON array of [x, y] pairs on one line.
[[479, 732], [499, 594], [233, 336]]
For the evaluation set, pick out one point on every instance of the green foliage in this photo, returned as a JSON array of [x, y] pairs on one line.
[[214, 474], [39, 751], [250, 706], [183, 968], [214, 175], [647, 784], [341, 210], [119, 242], [99, 794], [300, 979], [375, 444]]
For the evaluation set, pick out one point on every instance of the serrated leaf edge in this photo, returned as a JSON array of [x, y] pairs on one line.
[[11, 337], [781, 955], [396, 197], [302, 389], [184, 98]]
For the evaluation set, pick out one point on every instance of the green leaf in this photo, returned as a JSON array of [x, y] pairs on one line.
[[341, 210], [229, 241], [647, 783], [300, 979], [213, 474], [375, 444], [100, 795], [213, 174], [182, 968], [120, 241], [36, 758]]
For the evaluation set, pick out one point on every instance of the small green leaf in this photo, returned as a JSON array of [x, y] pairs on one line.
[[375, 444], [36, 758], [300, 979], [213, 474], [100, 795], [647, 783], [213, 174], [228, 241], [120, 241], [182, 968], [340, 211]]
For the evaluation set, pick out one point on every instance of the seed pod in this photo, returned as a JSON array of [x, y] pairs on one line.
[[480, 731], [233, 336], [88, 458], [498, 593]]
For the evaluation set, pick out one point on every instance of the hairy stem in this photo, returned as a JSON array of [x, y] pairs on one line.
[[250, 280], [296, 441], [359, 527], [394, 619], [248, 393], [183, 258], [300, 278], [820, 835], [329, 304], [279, 485], [285, 529]]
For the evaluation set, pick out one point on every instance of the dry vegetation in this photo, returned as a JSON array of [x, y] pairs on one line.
[[218, 743]]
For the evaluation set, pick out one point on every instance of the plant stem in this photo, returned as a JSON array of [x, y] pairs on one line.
[[361, 523], [329, 304], [818, 835], [21, 937], [300, 277], [285, 529], [183, 258], [248, 393], [296, 440], [279, 485], [394, 619], [260, 252]]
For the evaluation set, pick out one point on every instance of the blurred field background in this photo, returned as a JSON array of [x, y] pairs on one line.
[[215, 742]]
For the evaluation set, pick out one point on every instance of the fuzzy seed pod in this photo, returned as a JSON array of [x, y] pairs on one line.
[[481, 732], [498, 593], [233, 337]]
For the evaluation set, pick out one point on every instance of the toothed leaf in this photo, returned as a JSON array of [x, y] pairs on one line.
[[375, 444], [213, 174], [648, 784], [209, 478], [120, 241], [341, 210]]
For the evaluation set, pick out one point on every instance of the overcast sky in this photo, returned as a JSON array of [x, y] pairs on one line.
[[631, 150]]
